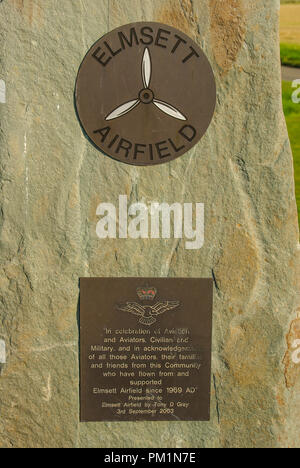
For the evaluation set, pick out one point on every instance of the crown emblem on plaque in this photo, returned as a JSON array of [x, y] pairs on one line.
[[146, 294], [147, 314]]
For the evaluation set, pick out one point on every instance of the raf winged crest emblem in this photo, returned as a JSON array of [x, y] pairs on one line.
[[147, 313]]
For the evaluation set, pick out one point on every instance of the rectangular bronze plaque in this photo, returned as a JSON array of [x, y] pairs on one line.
[[145, 349]]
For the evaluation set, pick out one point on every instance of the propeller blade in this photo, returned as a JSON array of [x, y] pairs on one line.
[[123, 109], [169, 110], [146, 68]]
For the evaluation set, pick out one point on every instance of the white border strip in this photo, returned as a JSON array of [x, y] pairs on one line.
[[2, 92], [2, 352]]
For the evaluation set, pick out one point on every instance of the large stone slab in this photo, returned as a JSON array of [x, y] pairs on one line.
[[52, 181]]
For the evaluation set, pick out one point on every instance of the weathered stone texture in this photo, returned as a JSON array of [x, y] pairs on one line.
[[52, 180]]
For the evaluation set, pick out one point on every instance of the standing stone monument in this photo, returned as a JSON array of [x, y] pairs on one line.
[[54, 181]]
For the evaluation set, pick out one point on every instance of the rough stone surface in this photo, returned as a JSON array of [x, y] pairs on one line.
[[52, 180]]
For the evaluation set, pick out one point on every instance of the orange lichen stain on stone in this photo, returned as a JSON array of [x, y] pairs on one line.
[[94, 203], [73, 198], [29, 9], [280, 398], [179, 14], [27, 338], [292, 357], [228, 29], [245, 353], [238, 268], [63, 321]]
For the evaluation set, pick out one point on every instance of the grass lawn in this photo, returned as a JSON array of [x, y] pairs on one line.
[[292, 114], [290, 54]]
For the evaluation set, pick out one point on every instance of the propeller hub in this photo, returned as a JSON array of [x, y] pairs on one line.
[[146, 96]]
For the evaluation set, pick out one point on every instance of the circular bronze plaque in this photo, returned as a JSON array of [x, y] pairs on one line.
[[145, 94]]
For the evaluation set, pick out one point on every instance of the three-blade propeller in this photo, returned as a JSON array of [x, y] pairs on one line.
[[147, 93], [146, 69]]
